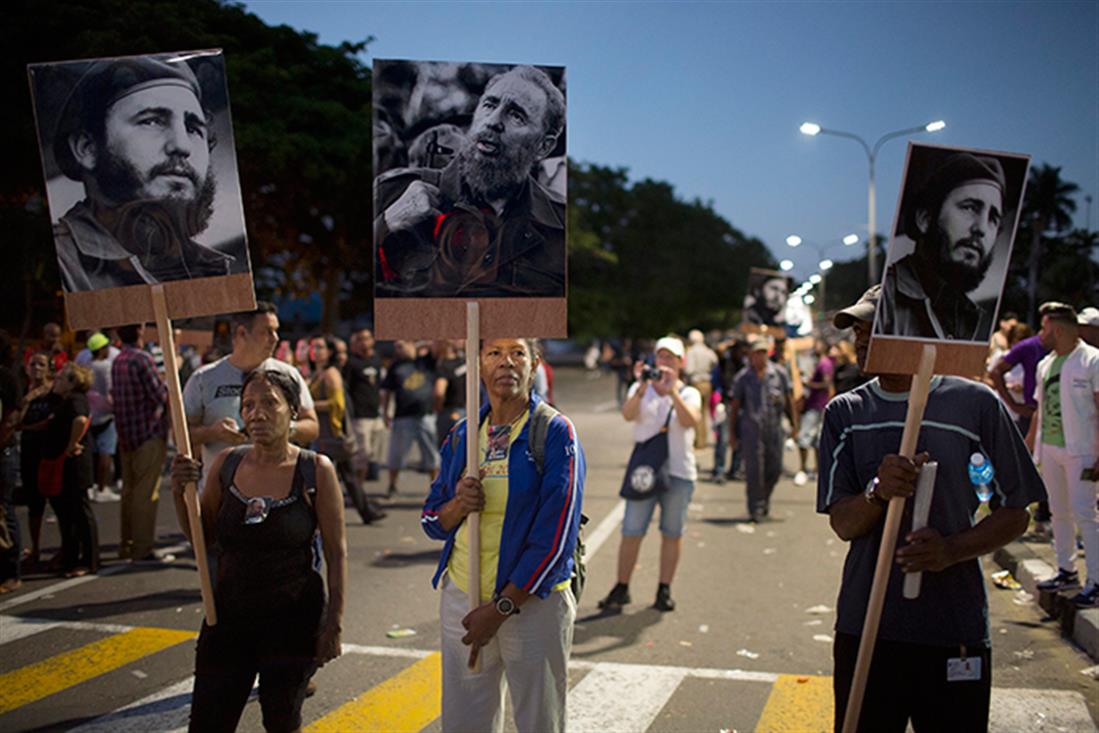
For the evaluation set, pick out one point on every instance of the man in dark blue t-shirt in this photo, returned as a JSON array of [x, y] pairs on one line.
[[931, 663], [410, 383]]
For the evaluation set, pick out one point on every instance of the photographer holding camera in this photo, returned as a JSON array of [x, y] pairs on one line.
[[659, 402]]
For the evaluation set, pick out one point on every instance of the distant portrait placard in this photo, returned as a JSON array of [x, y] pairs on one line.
[[141, 179], [948, 256], [469, 198], [765, 301]]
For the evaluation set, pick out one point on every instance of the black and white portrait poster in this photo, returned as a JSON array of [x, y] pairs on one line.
[[469, 193], [141, 175], [951, 244], [765, 301]]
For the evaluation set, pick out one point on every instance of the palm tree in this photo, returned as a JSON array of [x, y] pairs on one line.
[[1048, 206]]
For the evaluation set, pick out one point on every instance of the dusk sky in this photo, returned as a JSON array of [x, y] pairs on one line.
[[709, 96]]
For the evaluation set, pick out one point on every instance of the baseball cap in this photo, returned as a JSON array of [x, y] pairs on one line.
[[862, 310], [760, 344], [97, 341], [672, 344], [1088, 317]]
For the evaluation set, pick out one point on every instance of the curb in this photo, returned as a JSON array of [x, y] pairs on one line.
[[1079, 624]]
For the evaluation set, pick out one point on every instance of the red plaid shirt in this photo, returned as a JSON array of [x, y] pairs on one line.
[[140, 399]]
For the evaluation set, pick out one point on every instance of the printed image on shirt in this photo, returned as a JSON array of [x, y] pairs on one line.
[[469, 198], [1052, 425], [496, 448]]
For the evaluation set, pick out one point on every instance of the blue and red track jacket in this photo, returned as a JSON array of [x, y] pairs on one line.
[[542, 517]]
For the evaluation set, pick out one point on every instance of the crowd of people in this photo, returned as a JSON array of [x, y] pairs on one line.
[[90, 425], [282, 432]]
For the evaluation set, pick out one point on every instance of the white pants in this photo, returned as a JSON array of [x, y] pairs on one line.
[[1071, 498], [528, 656]]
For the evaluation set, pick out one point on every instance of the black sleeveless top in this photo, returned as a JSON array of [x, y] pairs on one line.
[[267, 568]]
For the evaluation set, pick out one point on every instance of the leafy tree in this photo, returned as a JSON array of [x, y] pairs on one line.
[[1048, 207], [644, 262], [301, 119]]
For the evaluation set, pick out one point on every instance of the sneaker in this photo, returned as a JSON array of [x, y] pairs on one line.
[[664, 602], [106, 496], [618, 597], [155, 559], [1062, 580], [801, 478], [391, 491], [1088, 597]]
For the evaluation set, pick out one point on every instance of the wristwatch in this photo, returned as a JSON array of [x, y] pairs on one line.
[[871, 493], [505, 606]]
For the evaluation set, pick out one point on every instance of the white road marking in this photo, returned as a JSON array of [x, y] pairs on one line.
[[604, 530], [14, 627], [612, 695], [68, 583], [620, 697], [165, 711]]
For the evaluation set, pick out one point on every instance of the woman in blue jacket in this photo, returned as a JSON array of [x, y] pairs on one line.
[[529, 492]]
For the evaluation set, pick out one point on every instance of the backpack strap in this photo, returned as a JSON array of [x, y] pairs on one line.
[[230, 464], [307, 471], [539, 429]]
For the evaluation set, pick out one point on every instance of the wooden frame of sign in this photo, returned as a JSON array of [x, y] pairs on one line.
[[910, 338], [401, 318], [931, 174], [173, 244]]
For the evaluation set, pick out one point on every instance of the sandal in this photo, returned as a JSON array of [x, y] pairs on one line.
[[11, 584], [77, 573]]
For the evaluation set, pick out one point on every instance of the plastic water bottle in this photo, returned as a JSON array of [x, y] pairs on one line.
[[980, 475]]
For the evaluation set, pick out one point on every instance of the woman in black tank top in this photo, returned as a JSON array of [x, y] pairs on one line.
[[262, 506]]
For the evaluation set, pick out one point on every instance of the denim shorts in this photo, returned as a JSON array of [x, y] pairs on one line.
[[673, 510], [105, 438]]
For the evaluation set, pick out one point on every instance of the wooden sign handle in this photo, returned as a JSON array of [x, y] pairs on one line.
[[473, 453], [917, 401], [183, 445]]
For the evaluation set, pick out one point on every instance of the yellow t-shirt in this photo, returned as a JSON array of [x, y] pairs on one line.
[[494, 462]]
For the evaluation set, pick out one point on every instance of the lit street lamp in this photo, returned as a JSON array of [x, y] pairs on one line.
[[812, 128], [824, 264]]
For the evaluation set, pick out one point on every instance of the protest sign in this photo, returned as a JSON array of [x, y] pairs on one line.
[[765, 302], [469, 199], [141, 178], [948, 258]]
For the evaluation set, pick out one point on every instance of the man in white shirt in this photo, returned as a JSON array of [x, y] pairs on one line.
[[1065, 438], [211, 397]]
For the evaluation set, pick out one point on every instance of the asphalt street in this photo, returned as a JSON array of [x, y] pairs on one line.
[[748, 647]]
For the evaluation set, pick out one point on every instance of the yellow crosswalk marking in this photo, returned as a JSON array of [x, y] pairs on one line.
[[41, 679], [798, 703], [404, 703]]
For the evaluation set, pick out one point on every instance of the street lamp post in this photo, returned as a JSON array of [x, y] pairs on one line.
[[812, 129], [824, 264]]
